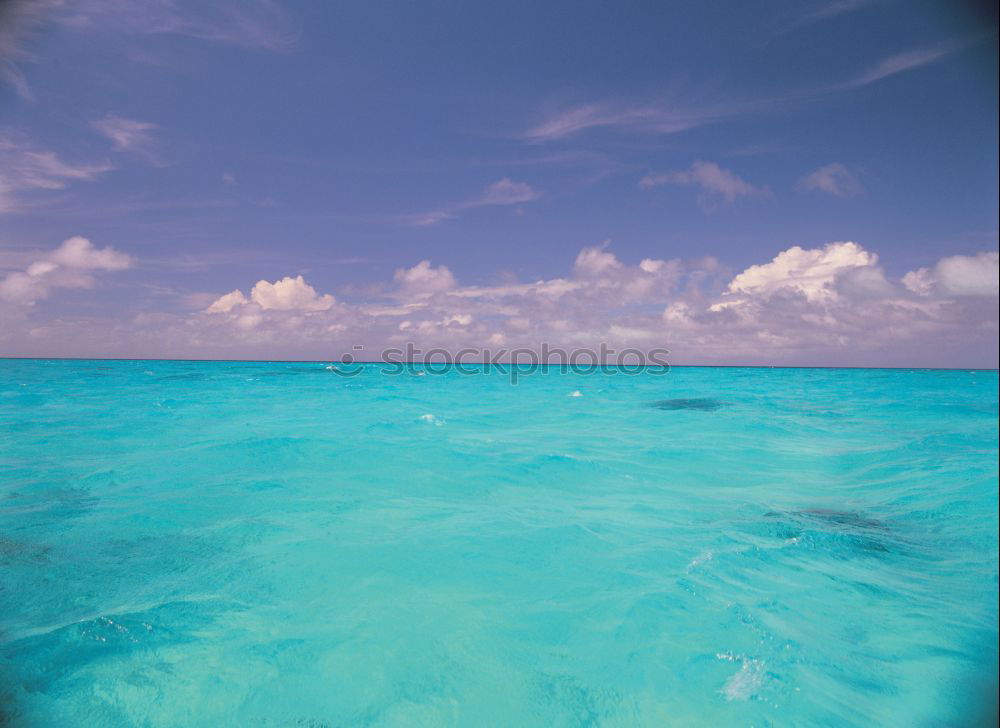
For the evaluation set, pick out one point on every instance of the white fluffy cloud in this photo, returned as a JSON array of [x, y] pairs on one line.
[[709, 177], [227, 302], [832, 304], [286, 294], [595, 261], [957, 275], [834, 179], [423, 279], [812, 273], [78, 252], [71, 265], [289, 294]]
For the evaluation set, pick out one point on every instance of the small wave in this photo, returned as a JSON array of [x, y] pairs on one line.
[[746, 682], [700, 559]]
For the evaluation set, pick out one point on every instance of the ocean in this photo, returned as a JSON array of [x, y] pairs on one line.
[[279, 544]]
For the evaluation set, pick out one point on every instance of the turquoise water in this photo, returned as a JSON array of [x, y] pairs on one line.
[[272, 544]]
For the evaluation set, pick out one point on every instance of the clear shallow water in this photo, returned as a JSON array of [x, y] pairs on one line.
[[271, 544]]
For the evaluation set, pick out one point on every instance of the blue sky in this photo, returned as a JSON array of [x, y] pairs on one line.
[[212, 146]]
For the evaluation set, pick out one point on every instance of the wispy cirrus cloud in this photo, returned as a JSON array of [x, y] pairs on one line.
[[583, 167], [426, 219], [502, 192], [27, 168], [709, 177], [900, 63], [251, 24], [810, 14], [676, 115], [127, 135], [19, 20], [649, 118]]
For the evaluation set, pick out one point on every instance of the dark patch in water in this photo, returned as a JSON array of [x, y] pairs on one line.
[[11, 551], [296, 371], [701, 404], [846, 519], [851, 528], [188, 376]]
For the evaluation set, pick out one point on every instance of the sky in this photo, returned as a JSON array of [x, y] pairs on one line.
[[767, 183]]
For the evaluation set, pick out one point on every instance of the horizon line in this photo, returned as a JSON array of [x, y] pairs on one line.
[[487, 363]]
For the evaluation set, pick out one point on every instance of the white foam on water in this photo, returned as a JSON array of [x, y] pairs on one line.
[[431, 419], [746, 682], [576, 393], [700, 559]]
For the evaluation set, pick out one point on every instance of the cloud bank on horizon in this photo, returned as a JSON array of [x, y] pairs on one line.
[[255, 179], [832, 304]]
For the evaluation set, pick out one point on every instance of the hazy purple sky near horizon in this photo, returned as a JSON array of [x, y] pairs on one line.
[[762, 183]]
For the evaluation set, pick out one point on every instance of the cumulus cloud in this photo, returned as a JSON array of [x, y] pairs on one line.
[[835, 305], [423, 279], [832, 304], [289, 294], [957, 275], [78, 252], [709, 177], [71, 265], [227, 302], [812, 273], [595, 261], [286, 294], [834, 179], [864, 282]]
